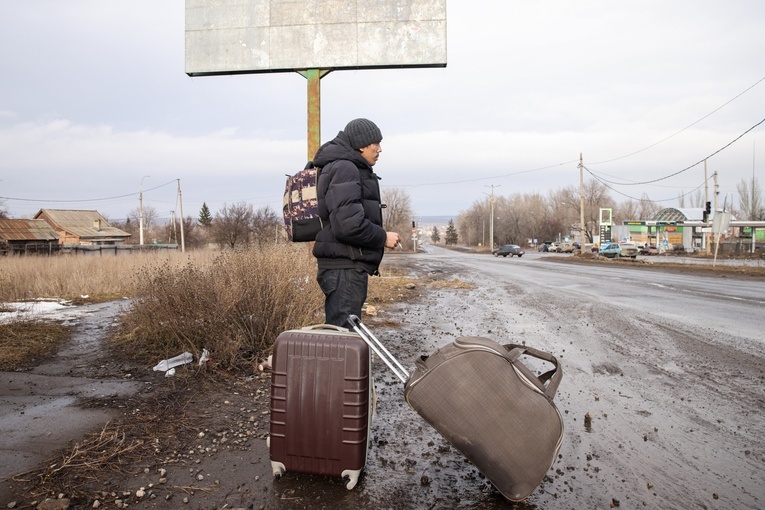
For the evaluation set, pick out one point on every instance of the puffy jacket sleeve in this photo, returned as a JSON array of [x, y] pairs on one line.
[[345, 203]]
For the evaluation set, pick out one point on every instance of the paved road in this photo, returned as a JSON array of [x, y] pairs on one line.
[[725, 305], [671, 367]]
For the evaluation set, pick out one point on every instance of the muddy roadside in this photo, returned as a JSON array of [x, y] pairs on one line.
[[197, 440]]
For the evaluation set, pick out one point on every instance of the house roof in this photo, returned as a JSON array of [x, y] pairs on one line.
[[83, 224], [26, 230]]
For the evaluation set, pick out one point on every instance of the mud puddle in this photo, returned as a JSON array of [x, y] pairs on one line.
[[38, 408]]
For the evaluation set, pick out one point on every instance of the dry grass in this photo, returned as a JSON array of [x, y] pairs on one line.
[[71, 276], [233, 303], [396, 285], [24, 342]]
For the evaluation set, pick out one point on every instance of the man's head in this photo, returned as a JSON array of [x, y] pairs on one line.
[[365, 137]]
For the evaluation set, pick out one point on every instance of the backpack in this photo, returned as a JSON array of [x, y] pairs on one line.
[[301, 205]]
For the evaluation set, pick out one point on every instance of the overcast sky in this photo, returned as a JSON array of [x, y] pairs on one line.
[[94, 104]]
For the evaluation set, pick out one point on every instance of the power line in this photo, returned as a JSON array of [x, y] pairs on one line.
[[86, 199], [477, 179], [604, 183], [500, 176], [688, 167], [686, 127]]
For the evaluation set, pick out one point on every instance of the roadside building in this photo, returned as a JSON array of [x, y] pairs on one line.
[[693, 230], [82, 228], [670, 227], [25, 236]]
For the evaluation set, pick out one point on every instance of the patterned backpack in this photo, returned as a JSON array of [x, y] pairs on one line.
[[301, 205]]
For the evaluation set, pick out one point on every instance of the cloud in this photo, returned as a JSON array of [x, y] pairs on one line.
[[95, 98]]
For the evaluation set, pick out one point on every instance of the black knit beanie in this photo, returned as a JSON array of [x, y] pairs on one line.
[[362, 132]]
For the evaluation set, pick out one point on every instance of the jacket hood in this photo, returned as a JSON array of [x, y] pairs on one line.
[[339, 148]]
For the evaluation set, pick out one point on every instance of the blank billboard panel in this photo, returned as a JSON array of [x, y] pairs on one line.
[[258, 36]]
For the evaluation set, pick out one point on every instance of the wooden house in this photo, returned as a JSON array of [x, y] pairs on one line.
[[24, 236], [84, 228]]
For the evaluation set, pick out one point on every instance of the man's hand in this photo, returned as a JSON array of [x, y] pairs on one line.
[[392, 239]]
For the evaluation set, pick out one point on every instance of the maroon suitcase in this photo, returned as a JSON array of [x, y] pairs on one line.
[[320, 402]]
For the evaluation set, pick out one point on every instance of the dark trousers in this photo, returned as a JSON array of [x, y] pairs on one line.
[[345, 291]]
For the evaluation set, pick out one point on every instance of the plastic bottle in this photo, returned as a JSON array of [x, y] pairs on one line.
[[167, 364]]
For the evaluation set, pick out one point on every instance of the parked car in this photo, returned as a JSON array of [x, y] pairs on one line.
[[628, 250], [545, 246], [554, 247], [566, 247], [612, 250], [649, 249], [508, 249]]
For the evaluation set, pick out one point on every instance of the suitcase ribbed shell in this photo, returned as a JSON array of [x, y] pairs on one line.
[[320, 403]]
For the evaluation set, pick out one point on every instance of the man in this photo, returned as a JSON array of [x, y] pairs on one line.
[[350, 246]]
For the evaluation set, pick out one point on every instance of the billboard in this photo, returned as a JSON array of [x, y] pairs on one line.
[[260, 36]]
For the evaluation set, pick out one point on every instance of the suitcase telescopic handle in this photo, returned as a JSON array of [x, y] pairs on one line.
[[378, 348]]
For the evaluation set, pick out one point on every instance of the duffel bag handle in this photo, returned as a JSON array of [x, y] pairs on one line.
[[552, 377]]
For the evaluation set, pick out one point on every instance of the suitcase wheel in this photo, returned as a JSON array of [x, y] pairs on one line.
[[353, 476], [278, 468]]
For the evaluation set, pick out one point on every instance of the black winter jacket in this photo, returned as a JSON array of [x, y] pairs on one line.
[[349, 206]]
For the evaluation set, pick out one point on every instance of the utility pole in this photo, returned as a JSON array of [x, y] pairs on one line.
[[582, 228], [180, 210], [140, 211], [491, 218]]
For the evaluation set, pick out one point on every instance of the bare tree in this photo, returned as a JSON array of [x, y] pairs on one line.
[[595, 197], [265, 226], [129, 227], [231, 226], [681, 200], [192, 231], [522, 217], [509, 224], [647, 208], [750, 199], [150, 216], [627, 210], [534, 209], [3, 210], [473, 224], [397, 215], [697, 200]]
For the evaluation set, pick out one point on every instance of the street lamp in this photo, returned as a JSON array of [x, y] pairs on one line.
[[140, 210]]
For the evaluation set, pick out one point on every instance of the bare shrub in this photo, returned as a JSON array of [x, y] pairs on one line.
[[234, 305]]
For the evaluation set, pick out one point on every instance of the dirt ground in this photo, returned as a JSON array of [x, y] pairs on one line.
[[198, 440]]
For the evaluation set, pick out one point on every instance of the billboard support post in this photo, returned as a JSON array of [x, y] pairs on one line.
[[314, 76]]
